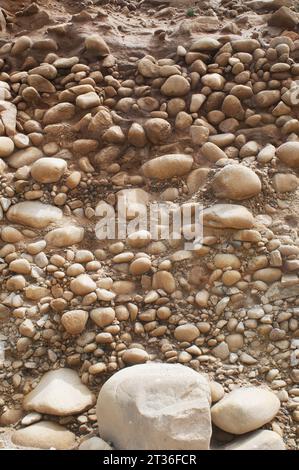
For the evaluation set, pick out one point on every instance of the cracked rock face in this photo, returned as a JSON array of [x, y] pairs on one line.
[[172, 412]]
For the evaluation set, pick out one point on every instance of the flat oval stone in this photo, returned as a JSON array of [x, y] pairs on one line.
[[65, 236], [48, 169], [44, 435], [168, 166], [34, 214], [24, 157]]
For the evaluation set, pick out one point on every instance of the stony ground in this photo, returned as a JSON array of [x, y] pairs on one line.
[[181, 102]]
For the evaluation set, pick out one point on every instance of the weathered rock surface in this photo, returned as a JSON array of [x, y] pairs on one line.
[[172, 413]]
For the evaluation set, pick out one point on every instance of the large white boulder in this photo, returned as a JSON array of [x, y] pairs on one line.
[[155, 406]]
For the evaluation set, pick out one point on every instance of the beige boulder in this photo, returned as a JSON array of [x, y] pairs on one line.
[[288, 154], [236, 182], [175, 85], [187, 332], [245, 409], [24, 157], [48, 169], [284, 182], [44, 435], [154, 413], [168, 166], [135, 356], [97, 45], [34, 214], [65, 236], [82, 285], [74, 321], [227, 216], [157, 130], [59, 113], [61, 393], [6, 146]]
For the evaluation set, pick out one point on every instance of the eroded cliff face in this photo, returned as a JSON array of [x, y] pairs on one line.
[[186, 109]]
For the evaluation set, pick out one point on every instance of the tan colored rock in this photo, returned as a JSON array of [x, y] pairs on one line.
[[157, 130], [96, 45], [11, 416], [226, 183], [59, 113], [74, 321], [167, 166], [267, 275], [288, 154], [21, 266], [245, 45], [136, 135], [82, 285], [212, 152], [41, 84], [199, 134], [135, 356], [267, 98], [196, 179], [205, 44], [213, 80], [21, 45], [88, 100], [164, 280], [65, 236], [139, 239], [227, 216], [187, 332], [258, 440], [60, 393], [285, 182], [217, 391], [11, 235], [172, 413], [34, 214], [175, 85], [48, 170], [24, 157], [202, 298], [103, 316], [44, 435], [245, 409], [235, 342], [6, 146], [226, 260], [231, 277], [140, 266]]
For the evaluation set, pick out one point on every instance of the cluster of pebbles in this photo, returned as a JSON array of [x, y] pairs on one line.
[[215, 123]]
